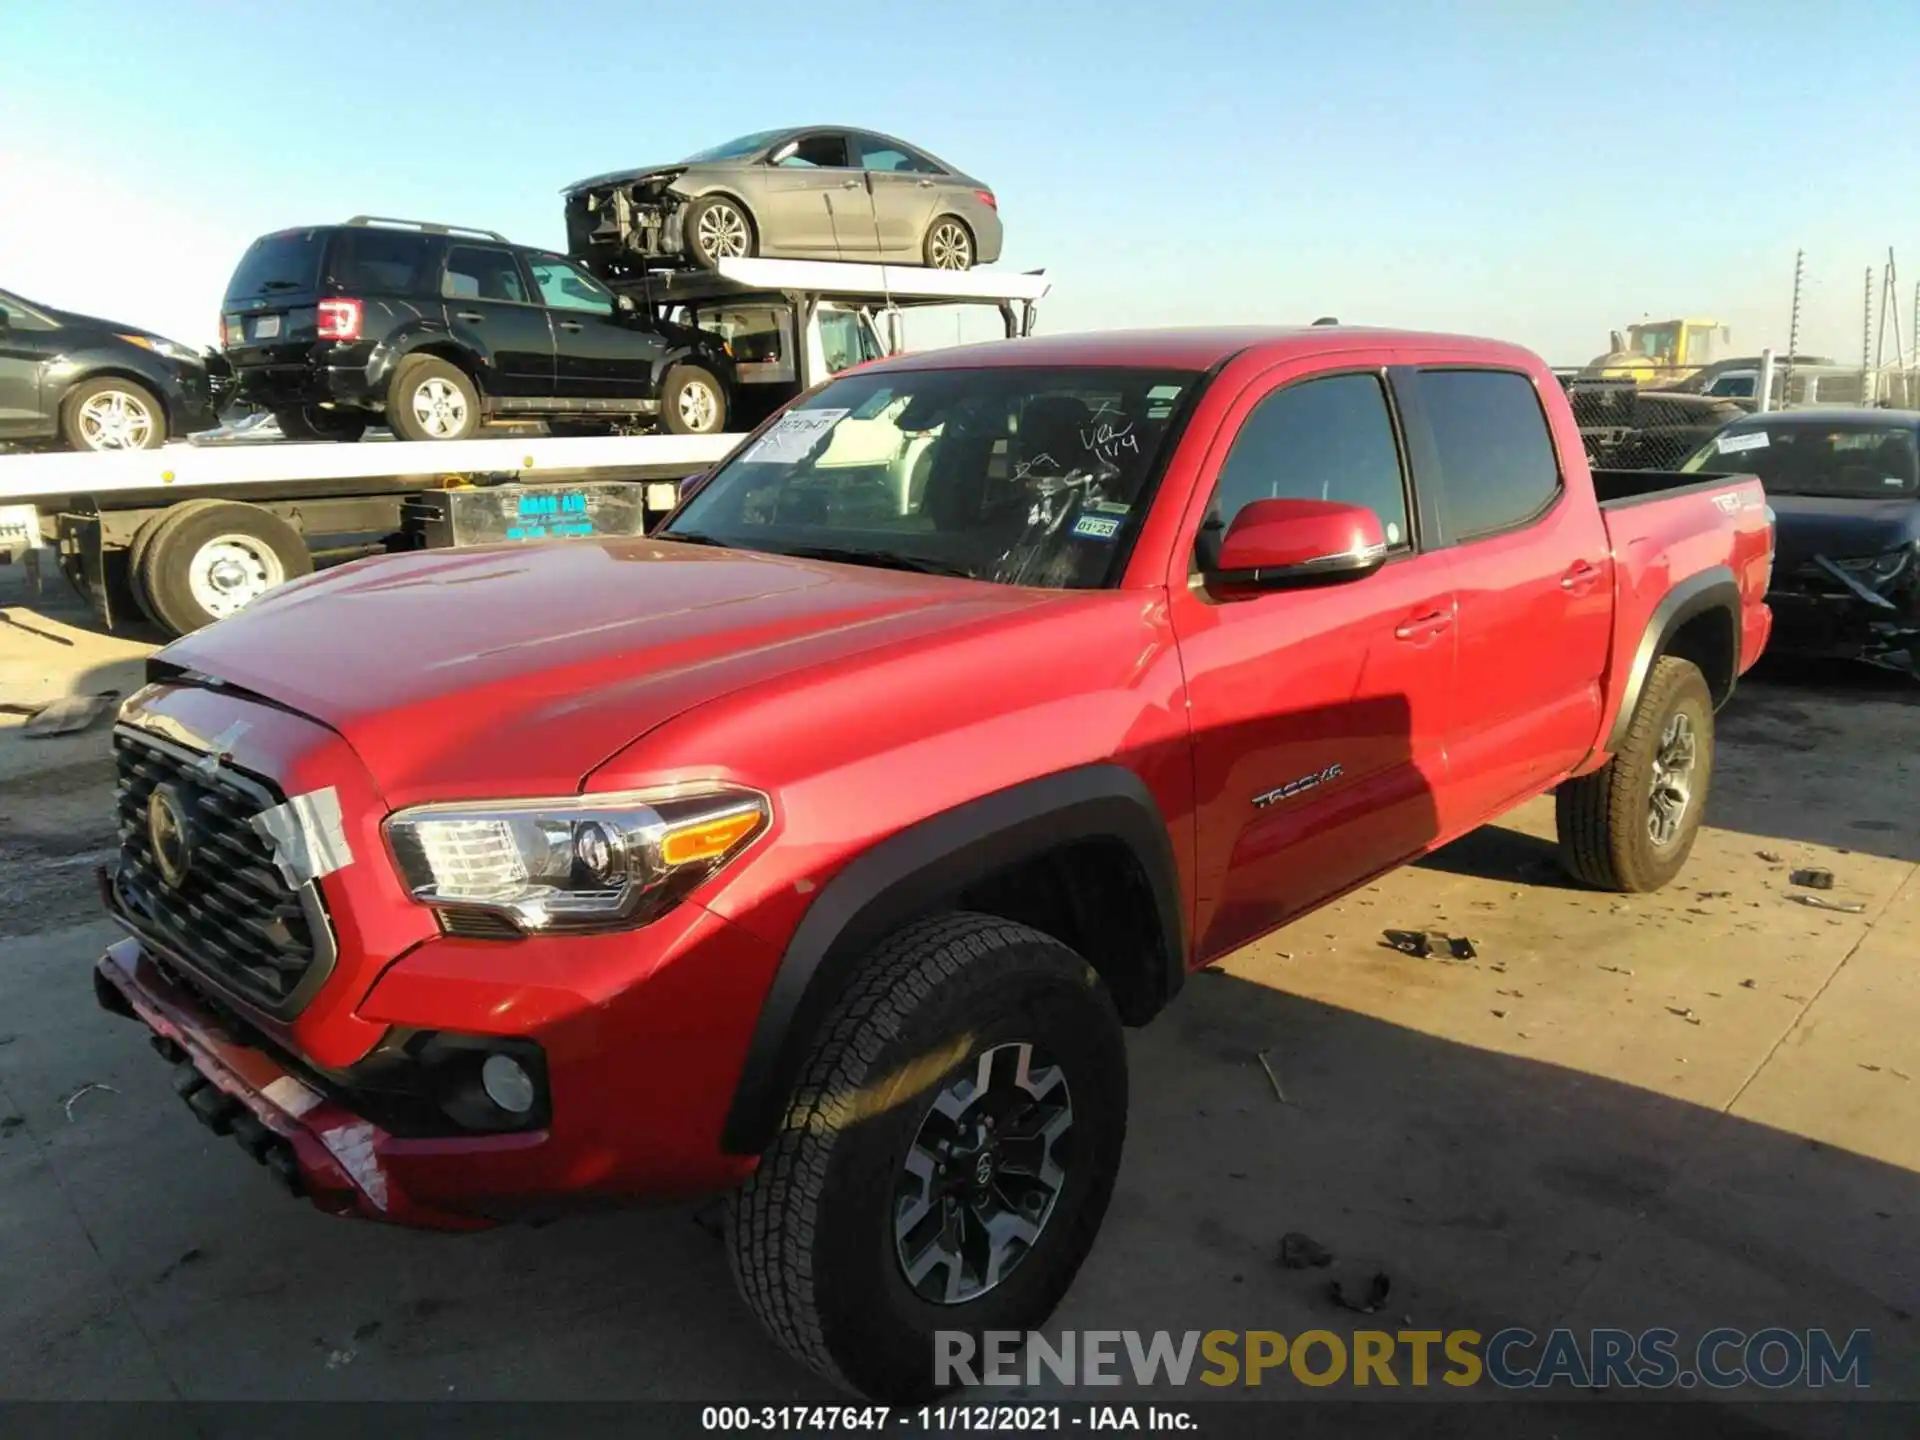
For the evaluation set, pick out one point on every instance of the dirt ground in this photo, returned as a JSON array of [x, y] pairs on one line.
[[1692, 1110]]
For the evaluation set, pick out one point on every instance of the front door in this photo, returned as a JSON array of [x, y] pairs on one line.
[[492, 312], [1536, 621], [601, 352], [1318, 714], [816, 201]]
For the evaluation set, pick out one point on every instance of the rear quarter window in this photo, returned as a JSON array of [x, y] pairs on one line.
[[1498, 470], [374, 261], [283, 264]]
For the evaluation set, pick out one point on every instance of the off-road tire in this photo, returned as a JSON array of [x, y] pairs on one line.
[[415, 371], [810, 1235], [679, 379], [163, 580], [1602, 817], [690, 229], [309, 422]]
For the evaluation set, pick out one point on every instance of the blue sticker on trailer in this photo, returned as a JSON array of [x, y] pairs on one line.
[[549, 515]]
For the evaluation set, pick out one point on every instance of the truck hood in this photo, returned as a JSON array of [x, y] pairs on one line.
[[623, 177], [1839, 528], [516, 670]]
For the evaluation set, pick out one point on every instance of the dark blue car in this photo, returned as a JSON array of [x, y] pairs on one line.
[[1844, 485]]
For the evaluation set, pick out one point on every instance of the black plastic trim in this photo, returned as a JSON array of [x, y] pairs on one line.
[[1711, 589]]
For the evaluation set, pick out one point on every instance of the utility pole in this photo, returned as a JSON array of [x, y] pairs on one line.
[[1866, 340], [1793, 324]]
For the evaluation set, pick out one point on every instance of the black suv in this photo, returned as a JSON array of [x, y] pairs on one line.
[[434, 330]]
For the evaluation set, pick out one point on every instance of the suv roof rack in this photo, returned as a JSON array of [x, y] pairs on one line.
[[428, 228]]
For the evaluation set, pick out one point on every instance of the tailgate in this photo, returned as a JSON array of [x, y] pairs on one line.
[[269, 316]]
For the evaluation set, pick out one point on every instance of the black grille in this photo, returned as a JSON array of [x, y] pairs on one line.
[[231, 917]]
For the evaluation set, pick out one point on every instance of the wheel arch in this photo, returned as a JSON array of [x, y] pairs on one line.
[[1098, 820], [112, 370], [437, 342], [1698, 620]]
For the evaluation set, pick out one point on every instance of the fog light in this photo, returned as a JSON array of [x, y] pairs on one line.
[[507, 1084]]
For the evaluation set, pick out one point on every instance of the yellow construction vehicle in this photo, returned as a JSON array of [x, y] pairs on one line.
[[1658, 352]]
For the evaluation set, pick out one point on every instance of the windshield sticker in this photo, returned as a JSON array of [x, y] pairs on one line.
[[1109, 507], [1096, 527], [1748, 440], [792, 437]]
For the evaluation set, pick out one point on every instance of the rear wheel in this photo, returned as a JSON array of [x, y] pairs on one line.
[[310, 422], [214, 560], [947, 1159], [113, 414], [716, 229], [949, 244], [142, 542], [692, 402], [430, 399], [1631, 824]]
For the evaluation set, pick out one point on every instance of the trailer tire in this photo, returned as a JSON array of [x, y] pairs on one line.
[[693, 402], [142, 543], [216, 558], [444, 388], [310, 422], [1630, 825]]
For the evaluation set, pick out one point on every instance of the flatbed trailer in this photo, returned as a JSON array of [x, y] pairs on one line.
[[187, 534]]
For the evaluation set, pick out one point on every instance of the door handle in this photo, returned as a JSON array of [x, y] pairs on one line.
[[1580, 577], [926, 184], [849, 184], [473, 315], [1423, 627], [570, 325]]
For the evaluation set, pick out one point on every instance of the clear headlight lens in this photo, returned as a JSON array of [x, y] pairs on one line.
[[168, 348], [582, 862], [1879, 567]]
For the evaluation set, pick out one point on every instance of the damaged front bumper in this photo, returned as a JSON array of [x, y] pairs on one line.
[[1853, 609], [619, 223]]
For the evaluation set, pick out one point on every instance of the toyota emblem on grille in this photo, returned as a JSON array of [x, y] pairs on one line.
[[167, 835]]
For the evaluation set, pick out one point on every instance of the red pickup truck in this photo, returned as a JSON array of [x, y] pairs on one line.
[[817, 848]]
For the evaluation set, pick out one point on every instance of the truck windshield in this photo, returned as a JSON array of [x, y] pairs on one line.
[[1023, 476], [1857, 461], [278, 265]]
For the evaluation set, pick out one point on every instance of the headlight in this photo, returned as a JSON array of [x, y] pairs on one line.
[[1878, 567], [166, 348], [582, 862]]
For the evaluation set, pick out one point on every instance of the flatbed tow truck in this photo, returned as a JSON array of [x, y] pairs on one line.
[[188, 534]]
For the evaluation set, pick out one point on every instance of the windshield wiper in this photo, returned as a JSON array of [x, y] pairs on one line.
[[887, 559], [689, 537]]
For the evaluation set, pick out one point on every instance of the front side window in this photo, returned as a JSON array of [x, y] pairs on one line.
[[563, 286], [1497, 465], [1020, 475], [1326, 439], [1857, 461], [478, 272], [1738, 385], [844, 340], [823, 152]]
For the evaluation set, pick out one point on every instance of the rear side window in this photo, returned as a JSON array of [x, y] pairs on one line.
[[376, 261], [283, 264], [878, 154], [1497, 466], [479, 272], [1327, 439]]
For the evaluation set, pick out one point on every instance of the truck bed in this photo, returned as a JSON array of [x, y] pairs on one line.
[[1617, 488]]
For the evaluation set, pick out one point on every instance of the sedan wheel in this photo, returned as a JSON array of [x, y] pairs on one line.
[[115, 420], [721, 232], [950, 247]]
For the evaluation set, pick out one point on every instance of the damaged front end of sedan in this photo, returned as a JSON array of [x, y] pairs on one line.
[[618, 224], [1858, 608]]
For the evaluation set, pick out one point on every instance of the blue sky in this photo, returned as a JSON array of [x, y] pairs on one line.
[[1542, 172]]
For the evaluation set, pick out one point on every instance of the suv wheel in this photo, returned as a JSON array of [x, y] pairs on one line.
[[113, 414], [947, 1158], [430, 399], [1631, 824], [692, 402]]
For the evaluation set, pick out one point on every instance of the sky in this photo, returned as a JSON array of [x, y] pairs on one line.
[[1538, 172]]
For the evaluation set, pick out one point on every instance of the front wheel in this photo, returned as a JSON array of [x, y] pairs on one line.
[[1631, 824], [946, 1161], [717, 229], [113, 414], [692, 402]]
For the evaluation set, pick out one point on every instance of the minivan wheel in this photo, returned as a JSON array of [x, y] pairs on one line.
[[692, 402], [949, 245], [946, 1160], [1631, 824], [430, 399], [310, 422], [717, 229], [113, 414]]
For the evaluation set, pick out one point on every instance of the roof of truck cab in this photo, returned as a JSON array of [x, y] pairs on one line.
[[1198, 349]]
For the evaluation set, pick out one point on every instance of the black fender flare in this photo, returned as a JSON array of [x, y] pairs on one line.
[[913, 872], [432, 336], [689, 353], [1711, 589]]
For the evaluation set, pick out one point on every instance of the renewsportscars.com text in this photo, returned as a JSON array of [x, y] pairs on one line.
[[1511, 1359]]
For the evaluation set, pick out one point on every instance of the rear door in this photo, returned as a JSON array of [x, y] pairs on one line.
[[28, 341], [1318, 714], [601, 353], [492, 310], [1534, 575], [906, 193], [816, 202]]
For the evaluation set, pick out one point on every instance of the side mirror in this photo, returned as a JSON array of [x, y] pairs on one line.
[[784, 153], [1272, 544]]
